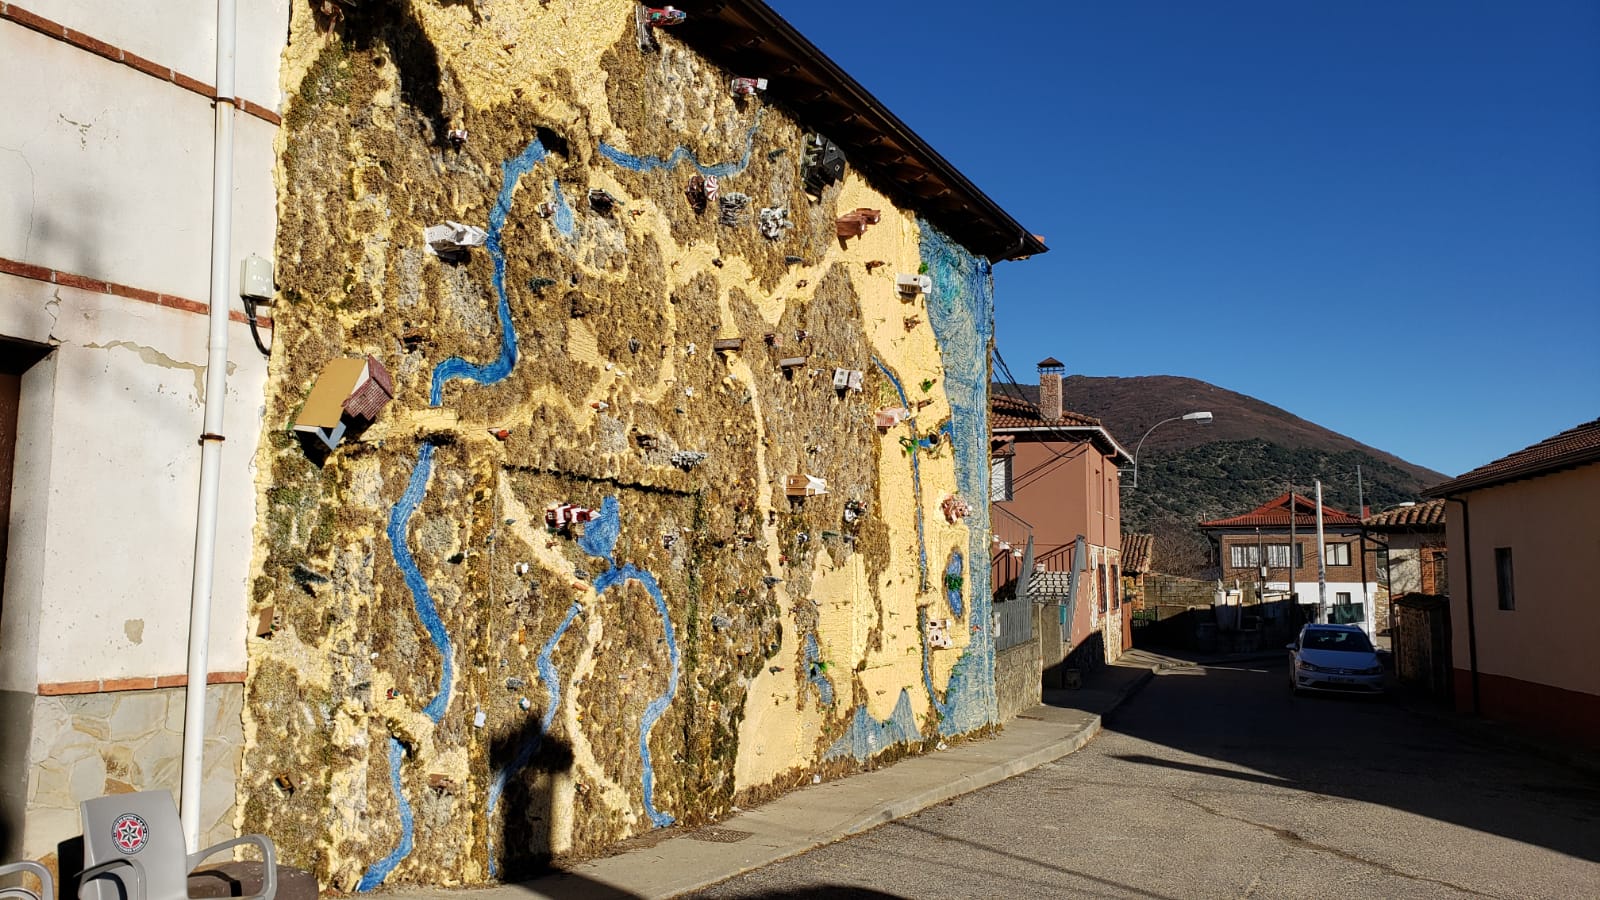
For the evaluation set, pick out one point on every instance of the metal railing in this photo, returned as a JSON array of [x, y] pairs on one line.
[[1010, 565]]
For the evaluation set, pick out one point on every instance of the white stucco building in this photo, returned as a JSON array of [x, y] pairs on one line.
[[106, 260]]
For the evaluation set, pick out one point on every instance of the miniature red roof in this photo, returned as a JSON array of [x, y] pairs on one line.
[[1573, 447], [374, 393], [1417, 515], [1275, 513]]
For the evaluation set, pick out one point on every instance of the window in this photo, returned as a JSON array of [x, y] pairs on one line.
[[1502, 578], [1336, 554], [1000, 478], [1101, 574], [1336, 639], [1342, 598], [1245, 556], [1116, 587], [1278, 556]]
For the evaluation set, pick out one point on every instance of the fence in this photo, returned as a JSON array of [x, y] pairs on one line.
[[1421, 642], [1013, 622]]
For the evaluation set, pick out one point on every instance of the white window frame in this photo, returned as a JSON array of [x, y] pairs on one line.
[[1000, 488]]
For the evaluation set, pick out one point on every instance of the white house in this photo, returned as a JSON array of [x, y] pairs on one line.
[[133, 192]]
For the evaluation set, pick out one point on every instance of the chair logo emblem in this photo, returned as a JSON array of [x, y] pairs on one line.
[[130, 833]]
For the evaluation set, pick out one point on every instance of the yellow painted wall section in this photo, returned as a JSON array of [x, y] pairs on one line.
[[451, 691]]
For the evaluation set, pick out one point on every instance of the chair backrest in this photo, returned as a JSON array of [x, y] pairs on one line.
[[142, 826]]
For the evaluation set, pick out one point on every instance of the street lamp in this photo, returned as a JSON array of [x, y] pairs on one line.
[[1199, 418]]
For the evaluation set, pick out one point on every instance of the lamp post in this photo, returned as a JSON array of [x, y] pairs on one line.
[[1199, 418]]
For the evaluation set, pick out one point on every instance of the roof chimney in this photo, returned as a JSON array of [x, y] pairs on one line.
[[1050, 388]]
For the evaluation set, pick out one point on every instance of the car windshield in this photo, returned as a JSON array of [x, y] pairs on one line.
[[1329, 639]]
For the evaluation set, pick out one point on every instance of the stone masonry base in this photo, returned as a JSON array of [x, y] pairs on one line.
[[87, 745]]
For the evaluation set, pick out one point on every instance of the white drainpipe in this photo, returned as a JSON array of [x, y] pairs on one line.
[[205, 534]]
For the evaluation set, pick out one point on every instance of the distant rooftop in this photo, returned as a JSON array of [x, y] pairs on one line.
[[1429, 514], [1275, 513], [1137, 555]]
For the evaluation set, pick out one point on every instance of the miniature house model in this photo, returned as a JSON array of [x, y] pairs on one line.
[[349, 389]]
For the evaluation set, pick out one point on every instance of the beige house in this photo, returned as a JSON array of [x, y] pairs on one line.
[[1524, 606], [1411, 557]]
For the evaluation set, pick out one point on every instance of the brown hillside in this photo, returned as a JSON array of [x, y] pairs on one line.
[[1129, 406]]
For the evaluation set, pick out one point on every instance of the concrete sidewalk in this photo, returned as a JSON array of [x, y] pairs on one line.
[[821, 814]]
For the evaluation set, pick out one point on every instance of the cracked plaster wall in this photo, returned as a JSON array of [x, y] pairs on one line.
[[454, 692]]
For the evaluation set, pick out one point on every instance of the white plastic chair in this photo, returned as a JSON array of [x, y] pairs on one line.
[[133, 849], [47, 888]]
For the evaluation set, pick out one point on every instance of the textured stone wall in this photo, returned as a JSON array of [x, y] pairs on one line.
[[1018, 674], [454, 692], [89, 745]]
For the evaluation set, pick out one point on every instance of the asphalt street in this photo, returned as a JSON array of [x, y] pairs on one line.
[[1215, 782]]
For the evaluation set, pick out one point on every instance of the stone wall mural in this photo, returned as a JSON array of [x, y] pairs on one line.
[[665, 514]]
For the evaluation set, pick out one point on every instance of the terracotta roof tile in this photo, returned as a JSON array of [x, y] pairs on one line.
[[1006, 411], [373, 395], [1573, 447], [1137, 552], [1429, 514], [1275, 513]]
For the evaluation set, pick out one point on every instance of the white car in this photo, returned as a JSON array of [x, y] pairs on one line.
[[1334, 658]]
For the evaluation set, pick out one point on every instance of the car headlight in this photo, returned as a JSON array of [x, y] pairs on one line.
[[1311, 668], [1372, 670]]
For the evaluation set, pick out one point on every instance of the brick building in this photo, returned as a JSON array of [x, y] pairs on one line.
[[1273, 548]]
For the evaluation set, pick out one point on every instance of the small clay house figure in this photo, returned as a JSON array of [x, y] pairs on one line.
[[602, 201], [911, 285], [955, 509], [939, 634], [566, 514], [349, 390], [804, 486], [748, 87], [889, 417], [696, 192], [453, 239], [854, 224], [822, 163], [664, 16]]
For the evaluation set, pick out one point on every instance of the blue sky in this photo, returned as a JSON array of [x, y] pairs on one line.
[[1381, 216]]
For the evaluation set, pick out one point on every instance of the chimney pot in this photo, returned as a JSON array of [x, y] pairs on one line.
[[1050, 371]]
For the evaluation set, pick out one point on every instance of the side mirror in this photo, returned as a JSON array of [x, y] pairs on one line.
[[1288, 646]]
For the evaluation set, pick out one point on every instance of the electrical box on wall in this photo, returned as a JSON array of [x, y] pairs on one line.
[[255, 278]]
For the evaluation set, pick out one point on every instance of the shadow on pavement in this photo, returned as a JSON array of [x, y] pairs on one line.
[[831, 891], [1359, 748]]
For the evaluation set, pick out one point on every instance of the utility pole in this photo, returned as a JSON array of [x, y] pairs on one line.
[[1322, 568], [1294, 549], [1367, 611]]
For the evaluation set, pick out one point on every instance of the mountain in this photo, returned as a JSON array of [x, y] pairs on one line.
[[1248, 455]]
